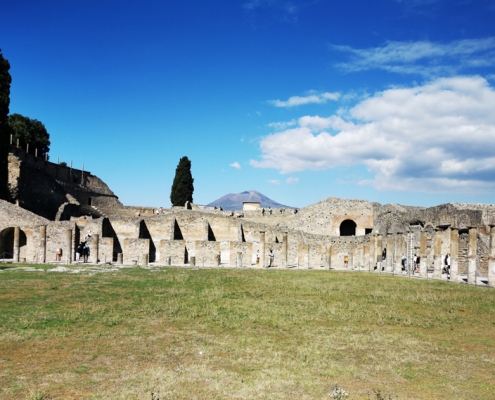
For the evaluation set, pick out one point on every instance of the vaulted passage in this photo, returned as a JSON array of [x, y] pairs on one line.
[[348, 228]]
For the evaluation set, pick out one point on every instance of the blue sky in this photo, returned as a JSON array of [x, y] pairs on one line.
[[385, 100]]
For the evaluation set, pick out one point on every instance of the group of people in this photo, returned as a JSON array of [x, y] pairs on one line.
[[82, 250], [271, 254]]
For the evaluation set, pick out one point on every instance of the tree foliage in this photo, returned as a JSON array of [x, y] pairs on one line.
[[5, 81], [182, 187], [29, 131]]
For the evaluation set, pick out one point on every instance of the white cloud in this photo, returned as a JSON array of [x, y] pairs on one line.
[[274, 181], [423, 57], [235, 165], [438, 137], [311, 98], [282, 125], [292, 181]]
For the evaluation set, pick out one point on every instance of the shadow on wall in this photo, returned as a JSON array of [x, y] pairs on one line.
[[109, 232], [144, 233]]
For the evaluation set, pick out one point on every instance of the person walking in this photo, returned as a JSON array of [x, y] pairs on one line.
[[272, 257]]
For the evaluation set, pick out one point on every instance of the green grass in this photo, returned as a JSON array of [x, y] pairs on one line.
[[236, 334]]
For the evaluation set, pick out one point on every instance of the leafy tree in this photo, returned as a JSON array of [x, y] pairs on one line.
[[182, 187], [29, 131], [5, 81]]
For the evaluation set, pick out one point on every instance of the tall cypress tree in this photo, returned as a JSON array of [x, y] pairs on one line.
[[182, 187], [5, 80]]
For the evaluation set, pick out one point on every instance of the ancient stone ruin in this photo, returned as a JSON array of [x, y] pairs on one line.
[[58, 207]]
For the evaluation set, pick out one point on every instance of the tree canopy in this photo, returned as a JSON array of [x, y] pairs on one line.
[[182, 187], [5, 81], [29, 131]]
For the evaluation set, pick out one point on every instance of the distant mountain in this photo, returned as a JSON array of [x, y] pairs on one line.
[[233, 202]]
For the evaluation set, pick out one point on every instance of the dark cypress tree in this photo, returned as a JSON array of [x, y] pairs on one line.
[[182, 188], [5, 80]]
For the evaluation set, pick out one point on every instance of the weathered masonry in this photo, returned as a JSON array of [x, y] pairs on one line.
[[58, 207]]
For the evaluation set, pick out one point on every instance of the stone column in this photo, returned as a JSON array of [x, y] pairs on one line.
[[437, 254], [68, 245], [472, 250], [390, 252], [238, 262], [372, 253], [285, 243], [262, 249], [42, 256], [454, 255], [329, 256], [360, 255], [378, 252], [398, 250], [17, 235], [145, 258], [96, 248], [491, 259], [423, 266]]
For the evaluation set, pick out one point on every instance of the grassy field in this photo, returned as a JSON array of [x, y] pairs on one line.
[[173, 333]]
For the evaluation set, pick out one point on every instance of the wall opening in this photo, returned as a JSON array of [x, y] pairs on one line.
[[7, 242], [348, 228]]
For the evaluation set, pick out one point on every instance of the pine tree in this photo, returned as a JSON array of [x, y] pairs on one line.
[[182, 187], [5, 80]]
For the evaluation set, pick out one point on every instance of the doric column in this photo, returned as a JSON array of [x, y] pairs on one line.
[[390, 252], [96, 248], [491, 259], [372, 253], [437, 254], [423, 266], [329, 256], [398, 251], [378, 252], [42, 256], [262, 249], [472, 250], [284, 250], [68, 246], [454, 255], [17, 235]]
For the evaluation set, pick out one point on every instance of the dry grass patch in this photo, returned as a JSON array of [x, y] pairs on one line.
[[239, 334]]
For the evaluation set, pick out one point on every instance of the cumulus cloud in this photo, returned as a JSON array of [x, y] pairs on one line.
[[274, 181], [235, 165], [423, 57], [311, 98], [292, 181], [436, 137]]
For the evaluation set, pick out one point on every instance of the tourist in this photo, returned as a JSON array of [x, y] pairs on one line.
[[404, 261], [272, 257], [258, 257], [346, 260], [263, 212], [384, 254], [79, 252], [85, 252]]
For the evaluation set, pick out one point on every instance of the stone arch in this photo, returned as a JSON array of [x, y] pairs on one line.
[[348, 228], [7, 242]]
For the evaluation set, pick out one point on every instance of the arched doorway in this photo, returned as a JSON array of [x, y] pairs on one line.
[[348, 228], [7, 242]]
